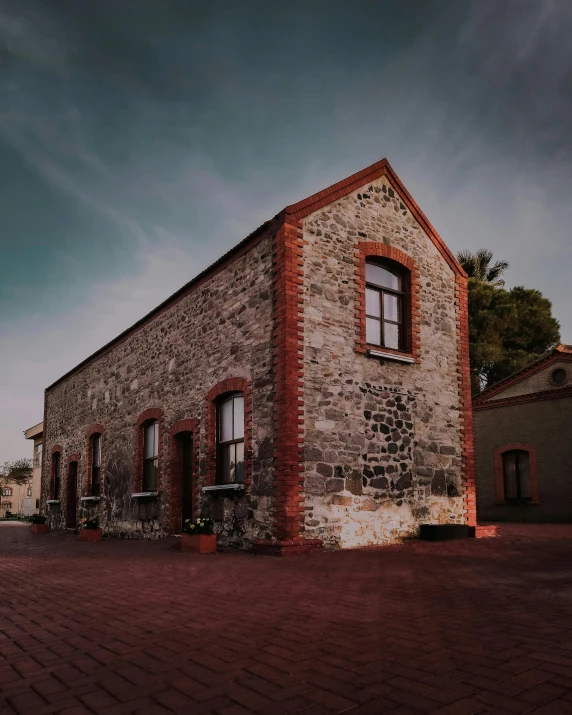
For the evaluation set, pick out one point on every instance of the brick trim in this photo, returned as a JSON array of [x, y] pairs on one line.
[[465, 406], [499, 475], [553, 394], [230, 384], [372, 249], [175, 471], [76, 457], [54, 449], [288, 380], [362, 178], [93, 430], [153, 413], [551, 380]]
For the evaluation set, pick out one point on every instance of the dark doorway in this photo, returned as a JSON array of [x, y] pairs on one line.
[[185, 476], [71, 502]]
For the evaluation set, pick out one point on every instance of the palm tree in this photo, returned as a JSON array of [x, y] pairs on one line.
[[478, 265]]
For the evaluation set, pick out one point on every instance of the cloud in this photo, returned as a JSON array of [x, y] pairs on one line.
[[36, 351]]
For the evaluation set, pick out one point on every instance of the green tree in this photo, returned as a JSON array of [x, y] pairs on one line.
[[507, 329], [478, 266], [17, 472]]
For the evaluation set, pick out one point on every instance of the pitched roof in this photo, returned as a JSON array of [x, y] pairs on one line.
[[560, 352], [295, 211]]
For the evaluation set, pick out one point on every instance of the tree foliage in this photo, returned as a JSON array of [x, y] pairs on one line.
[[508, 329], [479, 266], [17, 472]]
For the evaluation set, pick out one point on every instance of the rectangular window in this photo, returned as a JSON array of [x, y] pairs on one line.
[[230, 463], [38, 455], [516, 475], [96, 465], [385, 315], [56, 459], [150, 457]]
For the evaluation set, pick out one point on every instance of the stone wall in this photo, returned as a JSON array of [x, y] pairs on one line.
[[222, 329], [383, 441]]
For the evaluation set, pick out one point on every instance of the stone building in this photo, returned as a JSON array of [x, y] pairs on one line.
[[523, 448], [311, 386]]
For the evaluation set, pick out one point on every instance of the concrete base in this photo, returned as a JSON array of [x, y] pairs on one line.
[[445, 532], [285, 547]]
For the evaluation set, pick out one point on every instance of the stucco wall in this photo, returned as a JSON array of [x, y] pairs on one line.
[[221, 330], [545, 424], [538, 382], [383, 441]]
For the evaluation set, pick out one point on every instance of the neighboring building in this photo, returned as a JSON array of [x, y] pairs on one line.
[[24, 499], [32, 503], [311, 385], [523, 447]]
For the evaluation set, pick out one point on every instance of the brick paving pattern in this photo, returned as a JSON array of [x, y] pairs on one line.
[[457, 628]]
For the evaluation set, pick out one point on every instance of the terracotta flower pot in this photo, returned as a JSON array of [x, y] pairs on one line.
[[199, 543], [39, 528], [90, 535]]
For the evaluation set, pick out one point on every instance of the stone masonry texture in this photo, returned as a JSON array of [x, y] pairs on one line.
[[221, 330], [340, 446], [383, 441]]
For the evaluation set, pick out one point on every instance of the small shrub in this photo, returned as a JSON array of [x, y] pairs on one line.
[[199, 526]]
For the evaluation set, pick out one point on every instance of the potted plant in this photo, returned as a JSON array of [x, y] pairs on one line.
[[89, 529], [38, 525], [198, 536]]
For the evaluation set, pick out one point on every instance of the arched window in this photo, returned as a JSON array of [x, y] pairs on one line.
[[56, 474], [29, 491], [149, 481], [385, 307], [7, 492], [95, 453], [230, 438], [7, 505]]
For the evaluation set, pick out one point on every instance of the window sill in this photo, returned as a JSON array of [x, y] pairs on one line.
[[144, 495], [90, 499], [388, 355], [223, 487], [52, 501]]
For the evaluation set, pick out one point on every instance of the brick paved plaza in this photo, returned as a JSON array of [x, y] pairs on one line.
[[480, 626]]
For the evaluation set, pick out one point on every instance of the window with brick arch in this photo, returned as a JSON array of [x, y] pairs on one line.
[[516, 475], [95, 446], [56, 469], [7, 492], [230, 438], [7, 505], [150, 477], [386, 292]]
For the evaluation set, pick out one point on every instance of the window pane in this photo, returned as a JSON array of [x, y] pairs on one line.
[[238, 477], [149, 483], [372, 302], [381, 277], [151, 433], [509, 469], [225, 462], [373, 331], [95, 487], [226, 421], [238, 417], [524, 473], [391, 335], [96, 458], [390, 307]]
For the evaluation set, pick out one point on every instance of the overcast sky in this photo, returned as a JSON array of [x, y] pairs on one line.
[[141, 139]]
